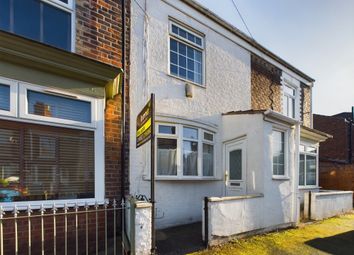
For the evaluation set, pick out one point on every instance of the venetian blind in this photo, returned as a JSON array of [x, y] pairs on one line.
[[41, 162]]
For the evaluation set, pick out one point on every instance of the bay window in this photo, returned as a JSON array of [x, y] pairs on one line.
[[48, 147], [308, 166], [184, 151], [46, 21]]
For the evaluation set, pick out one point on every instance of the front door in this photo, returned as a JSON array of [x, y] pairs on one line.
[[235, 167]]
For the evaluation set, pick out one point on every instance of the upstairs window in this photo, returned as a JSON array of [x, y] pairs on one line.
[[186, 54], [289, 96], [49, 21]]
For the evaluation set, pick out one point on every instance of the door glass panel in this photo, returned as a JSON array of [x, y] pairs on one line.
[[4, 97], [235, 164]]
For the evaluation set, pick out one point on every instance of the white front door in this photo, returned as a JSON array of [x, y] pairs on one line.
[[235, 167]]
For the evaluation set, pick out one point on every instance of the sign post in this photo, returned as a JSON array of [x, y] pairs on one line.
[[145, 131]]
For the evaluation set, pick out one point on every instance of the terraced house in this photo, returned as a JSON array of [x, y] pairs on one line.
[[61, 120], [233, 119]]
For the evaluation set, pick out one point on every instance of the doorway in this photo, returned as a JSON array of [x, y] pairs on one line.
[[235, 167]]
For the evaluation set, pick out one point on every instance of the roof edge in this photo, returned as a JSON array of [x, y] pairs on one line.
[[239, 33]]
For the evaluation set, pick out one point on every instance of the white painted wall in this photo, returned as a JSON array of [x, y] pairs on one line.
[[231, 216], [138, 226], [227, 88], [279, 204], [325, 204]]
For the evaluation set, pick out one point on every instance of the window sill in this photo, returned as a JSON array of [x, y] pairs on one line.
[[309, 187], [187, 81], [280, 178], [48, 204]]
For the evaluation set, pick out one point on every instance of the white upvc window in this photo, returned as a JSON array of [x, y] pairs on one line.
[[279, 152], [8, 97], [56, 106], [51, 145], [289, 101], [186, 54], [308, 169], [184, 152], [48, 21]]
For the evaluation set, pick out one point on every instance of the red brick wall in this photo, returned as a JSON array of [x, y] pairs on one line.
[[336, 176], [336, 148], [99, 36], [99, 30]]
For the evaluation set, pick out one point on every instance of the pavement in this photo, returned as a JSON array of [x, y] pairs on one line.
[[332, 236], [180, 240]]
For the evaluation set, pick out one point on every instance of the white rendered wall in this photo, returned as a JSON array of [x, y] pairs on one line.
[[231, 217], [329, 203], [227, 88], [279, 204], [142, 227]]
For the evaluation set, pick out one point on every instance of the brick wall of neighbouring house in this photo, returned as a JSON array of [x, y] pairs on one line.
[[99, 36], [335, 176], [337, 147], [306, 100], [265, 85]]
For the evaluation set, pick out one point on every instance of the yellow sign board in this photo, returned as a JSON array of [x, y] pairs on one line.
[[143, 125]]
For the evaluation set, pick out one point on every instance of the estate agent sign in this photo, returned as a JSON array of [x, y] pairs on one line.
[[144, 124]]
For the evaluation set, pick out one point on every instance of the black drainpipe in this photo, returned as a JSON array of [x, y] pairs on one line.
[[123, 120]]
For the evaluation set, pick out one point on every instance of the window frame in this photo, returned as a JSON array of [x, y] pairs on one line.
[[286, 153], [305, 153], [167, 136], [70, 8], [97, 118], [23, 107], [13, 97], [186, 139], [179, 154], [208, 142], [187, 42], [291, 97]]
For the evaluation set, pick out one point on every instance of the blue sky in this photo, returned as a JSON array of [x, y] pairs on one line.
[[316, 36]]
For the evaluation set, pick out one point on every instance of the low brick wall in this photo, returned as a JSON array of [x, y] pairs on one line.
[[325, 204]]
